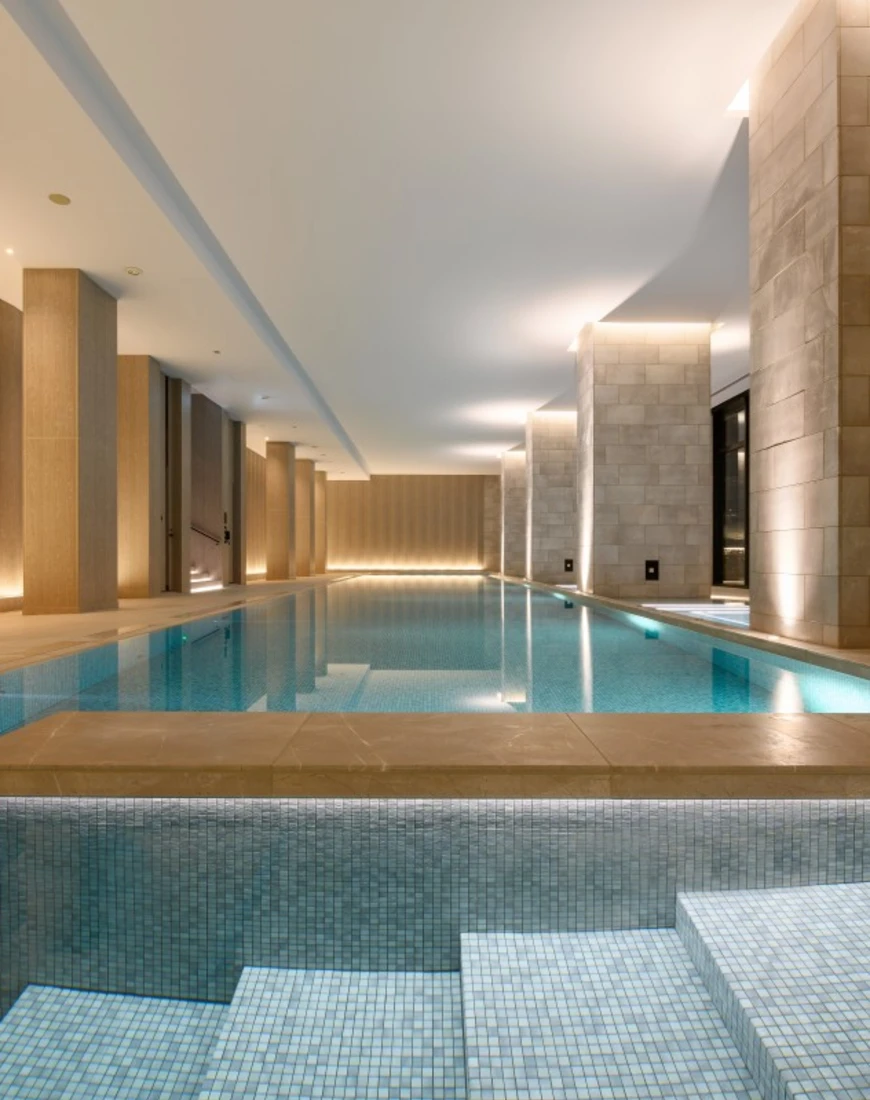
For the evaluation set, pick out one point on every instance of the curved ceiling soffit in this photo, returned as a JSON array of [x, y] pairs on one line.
[[59, 42], [712, 271]]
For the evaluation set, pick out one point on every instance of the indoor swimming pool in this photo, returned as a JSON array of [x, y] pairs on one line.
[[426, 644]]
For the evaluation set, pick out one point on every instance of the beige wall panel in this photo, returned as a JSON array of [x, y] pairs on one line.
[[320, 526], [406, 522], [98, 447], [70, 417], [280, 511], [304, 517], [255, 513], [178, 483], [141, 477], [513, 514], [11, 477]]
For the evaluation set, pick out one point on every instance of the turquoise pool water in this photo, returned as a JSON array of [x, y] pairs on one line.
[[425, 644]]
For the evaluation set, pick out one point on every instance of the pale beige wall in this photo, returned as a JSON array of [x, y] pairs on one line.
[[255, 513], [70, 443], [406, 522], [492, 523], [810, 282], [551, 496], [11, 483], [513, 513], [644, 399], [141, 477]]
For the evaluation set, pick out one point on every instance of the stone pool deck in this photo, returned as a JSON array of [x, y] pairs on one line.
[[439, 755]]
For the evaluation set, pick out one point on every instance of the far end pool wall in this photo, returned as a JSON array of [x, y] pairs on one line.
[[173, 897]]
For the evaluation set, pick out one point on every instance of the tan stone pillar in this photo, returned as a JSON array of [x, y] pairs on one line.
[[11, 481], [809, 157], [280, 511], [238, 511], [644, 473], [320, 521], [70, 443], [178, 483], [141, 477], [492, 523], [551, 496], [304, 517], [513, 513]]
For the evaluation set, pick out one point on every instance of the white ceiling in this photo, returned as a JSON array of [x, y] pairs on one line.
[[417, 204]]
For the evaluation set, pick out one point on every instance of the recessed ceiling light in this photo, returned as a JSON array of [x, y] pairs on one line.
[[58, 199], [10, 251], [134, 270]]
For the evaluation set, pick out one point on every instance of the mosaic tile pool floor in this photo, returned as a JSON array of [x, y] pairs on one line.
[[343, 1035], [66, 1045], [790, 973], [759, 993], [594, 1015]]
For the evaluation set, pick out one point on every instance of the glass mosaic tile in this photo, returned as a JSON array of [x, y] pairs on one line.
[[66, 1045], [346, 1036], [790, 973], [172, 897], [595, 1016]]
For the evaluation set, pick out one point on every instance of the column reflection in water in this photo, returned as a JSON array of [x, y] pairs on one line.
[[515, 646], [587, 699], [281, 655], [306, 633], [554, 665], [321, 655]]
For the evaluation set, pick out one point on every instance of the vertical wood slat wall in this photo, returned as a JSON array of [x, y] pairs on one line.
[[255, 512], [407, 521]]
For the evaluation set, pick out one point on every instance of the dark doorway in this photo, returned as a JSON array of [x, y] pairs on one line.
[[731, 492]]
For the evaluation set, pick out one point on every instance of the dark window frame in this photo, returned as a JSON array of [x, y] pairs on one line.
[[720, 450]]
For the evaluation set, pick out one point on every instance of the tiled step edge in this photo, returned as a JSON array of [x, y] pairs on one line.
[[734, 1012]]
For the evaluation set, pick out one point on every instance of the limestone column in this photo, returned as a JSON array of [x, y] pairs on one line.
[[551, 496], [513, 513], [178, 483], [320, 521], [809, 158], [70, 347], [304, 517], [11, 483], [644, 460], [491, 523], [280, 511], [141, 477]]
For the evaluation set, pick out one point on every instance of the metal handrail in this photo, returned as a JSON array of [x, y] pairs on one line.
[[207, 534]]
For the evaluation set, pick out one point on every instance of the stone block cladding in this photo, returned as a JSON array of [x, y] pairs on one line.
[[644, 468], [551, 496], [810, 281], [492, 523], [513, 513]]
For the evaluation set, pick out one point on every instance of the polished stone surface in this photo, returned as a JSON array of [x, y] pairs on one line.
[[179, 754]]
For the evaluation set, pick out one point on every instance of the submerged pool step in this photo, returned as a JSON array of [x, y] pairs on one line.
[[346, 1035], [789, 970], [69, 1045], [591, 1015]]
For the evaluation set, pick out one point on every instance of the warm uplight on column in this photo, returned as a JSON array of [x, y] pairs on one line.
[[739, 105]]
